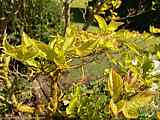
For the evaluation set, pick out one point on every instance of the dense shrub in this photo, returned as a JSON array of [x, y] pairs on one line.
[[110, 73]]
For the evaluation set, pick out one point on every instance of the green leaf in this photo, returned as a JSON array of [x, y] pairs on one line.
[[21, 53], [45, 51], [59, 57], [133, 47], [41, 48], [111, 44], [105, 6], [101, 100], [52, 43], [73, 104], [8, 48], [115, 84], [32, 62], [103, 25], [154, 30], [101, 22], [158, 54], [112, 26], [26, 40], [68, 43], [147, 65], [28, 50], [116, 3], [117, 107], [130, 110], [86, 48]]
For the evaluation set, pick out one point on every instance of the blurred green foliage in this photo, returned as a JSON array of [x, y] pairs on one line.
[[40, 19]]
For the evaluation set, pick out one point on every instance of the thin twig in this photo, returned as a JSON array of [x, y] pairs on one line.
[[66, 13]]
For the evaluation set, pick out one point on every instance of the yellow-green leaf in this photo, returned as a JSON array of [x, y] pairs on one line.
[[32, 62], [70, 110], [154, 30], [86, 48], [130, 110], [134, 48], [104, 6], [111, 44], [115, 84], [116, 3], [101, 22], [112, 26], [158, 54], [26, 40], [117, 107], [8, 48], [52, 43], [68, 43], [59, 56], [23, 52]]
